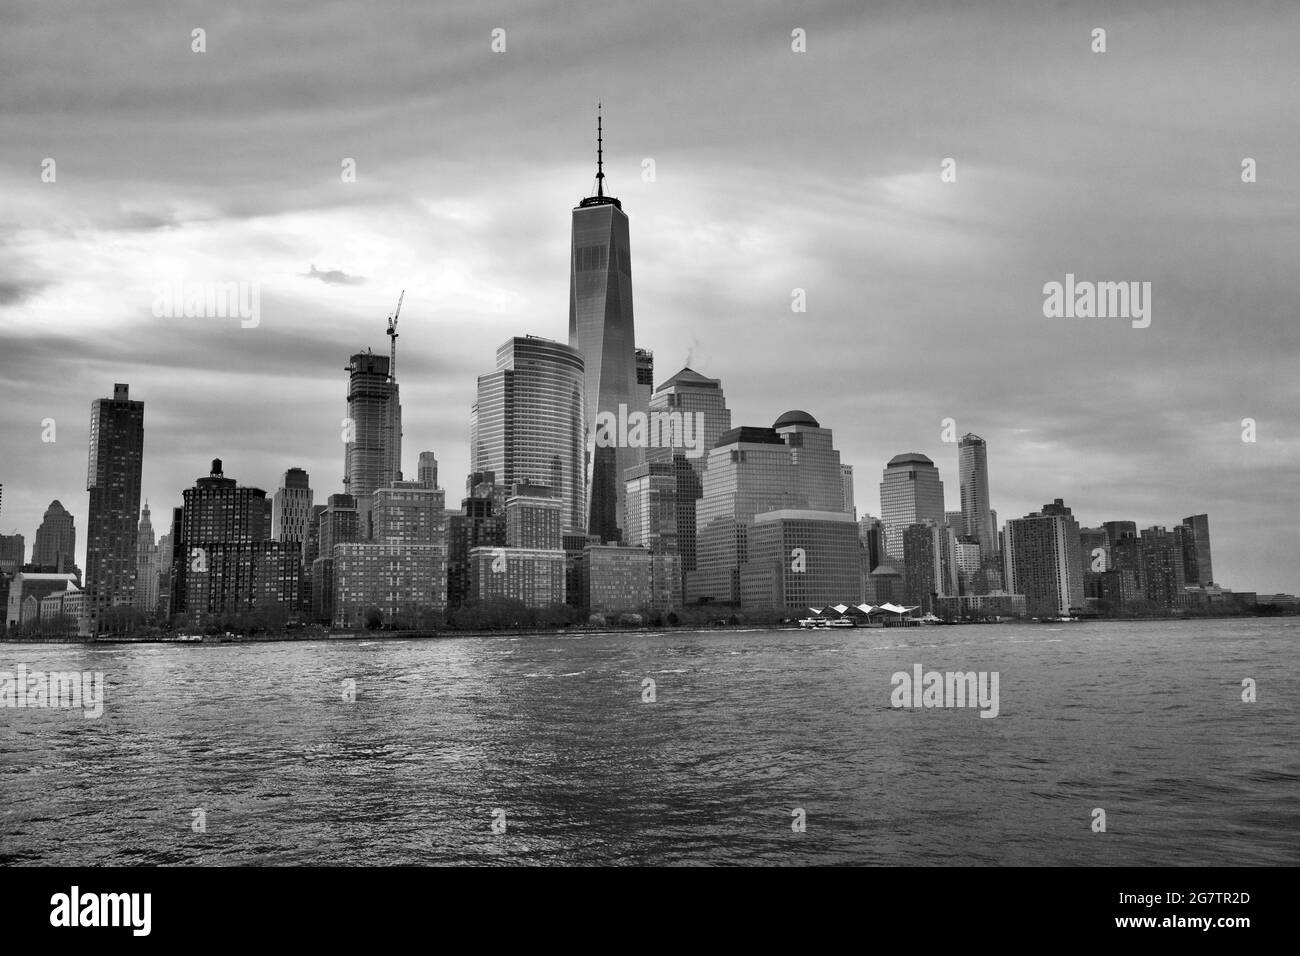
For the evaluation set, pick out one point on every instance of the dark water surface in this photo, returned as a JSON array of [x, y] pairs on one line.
[[1143, 720]]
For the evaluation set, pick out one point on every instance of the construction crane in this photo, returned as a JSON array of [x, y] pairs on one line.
[[392, 338]]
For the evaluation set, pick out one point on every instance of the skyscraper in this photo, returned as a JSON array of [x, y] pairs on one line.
[[146, 565], [372, 458], [702, 417], [601, 329], [291, 507], [910, 491], [1197, 565], [56, 539], [1043, 561], [645, 377], [113, 484], [527, 426], [225, 559], [1163, 580], [973, 473], [846, 483], [699, 401], [930, 567], [427, 470], [791, 467]]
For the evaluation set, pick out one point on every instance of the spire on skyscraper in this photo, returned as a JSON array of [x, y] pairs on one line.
[[600, 155], [600, 199]]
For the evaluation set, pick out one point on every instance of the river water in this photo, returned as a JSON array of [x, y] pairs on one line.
[[251, 753]]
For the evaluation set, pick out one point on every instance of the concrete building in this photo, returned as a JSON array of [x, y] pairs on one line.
[[615, 579], [338, 523], [1162, 567], [224, 560], [33, 587], [929, 564], [534, 576], [13, 552], [1043, 562], [1198, 567], [402, 572]]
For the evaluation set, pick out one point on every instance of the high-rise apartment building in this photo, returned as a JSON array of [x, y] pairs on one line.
[[910, 492], [1198, 568], [372, 457], [973, 474], [1042, 561], [527, 425], [930, 568], [402, 572], [113, 486], [1162, 575], [225, 558]]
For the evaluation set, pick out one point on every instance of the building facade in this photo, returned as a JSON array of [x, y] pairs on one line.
[[527, 423], [56, 539], [910, 491], [113, 487], [602, 330]]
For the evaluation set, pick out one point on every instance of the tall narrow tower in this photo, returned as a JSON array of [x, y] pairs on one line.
[[973, 469], [601, 329], [372, 456], [113, 484]]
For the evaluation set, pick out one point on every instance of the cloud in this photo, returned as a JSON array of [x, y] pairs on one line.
[[774, 170], [332, 277]]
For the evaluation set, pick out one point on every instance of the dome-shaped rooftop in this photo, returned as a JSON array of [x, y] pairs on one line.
[[910, 458], [796, 417]]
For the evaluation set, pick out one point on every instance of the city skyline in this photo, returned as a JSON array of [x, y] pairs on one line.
[[1124, 424]]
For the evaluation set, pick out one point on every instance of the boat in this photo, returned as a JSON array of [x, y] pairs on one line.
[[842, 622]]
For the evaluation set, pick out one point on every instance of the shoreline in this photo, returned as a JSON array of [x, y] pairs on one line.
[[282, 637]]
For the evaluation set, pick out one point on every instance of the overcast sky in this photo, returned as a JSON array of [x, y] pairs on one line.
[[774, 170]]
